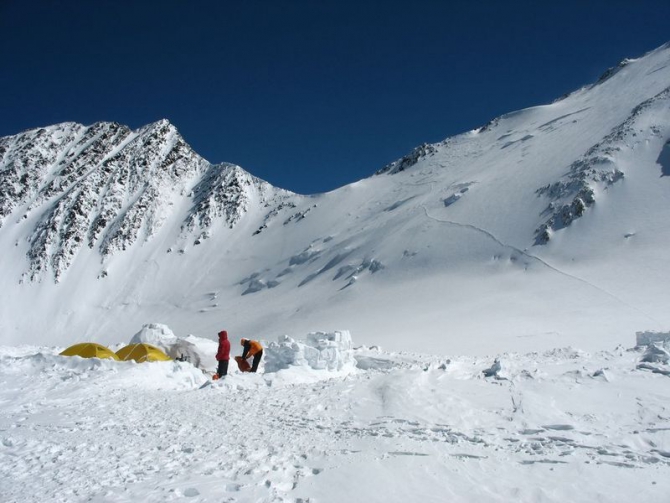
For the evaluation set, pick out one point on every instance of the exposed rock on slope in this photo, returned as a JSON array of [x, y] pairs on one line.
[[106, 187], [597, 169], [225, 192], [438, 243]]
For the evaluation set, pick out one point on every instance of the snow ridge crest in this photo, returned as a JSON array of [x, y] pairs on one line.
[[107, 187], [598, 168]]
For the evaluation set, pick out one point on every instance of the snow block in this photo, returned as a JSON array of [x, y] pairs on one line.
[[647, 338], [331, 351]]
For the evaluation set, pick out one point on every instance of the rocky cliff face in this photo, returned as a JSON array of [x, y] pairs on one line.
[[107, 187]]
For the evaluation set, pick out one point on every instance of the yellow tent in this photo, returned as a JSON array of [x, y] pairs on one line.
[[141, 353], [90, 350]]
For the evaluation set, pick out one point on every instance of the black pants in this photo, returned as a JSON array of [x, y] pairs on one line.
[[257, 360], [223, 368]]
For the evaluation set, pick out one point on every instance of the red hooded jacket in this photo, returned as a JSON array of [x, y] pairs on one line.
[[224, 346]]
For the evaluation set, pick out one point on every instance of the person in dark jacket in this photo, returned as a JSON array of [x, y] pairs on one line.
[[223, 354], [252, 348]]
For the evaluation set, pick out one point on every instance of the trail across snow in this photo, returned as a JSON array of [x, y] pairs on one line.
[[558, 426], [541, 261]]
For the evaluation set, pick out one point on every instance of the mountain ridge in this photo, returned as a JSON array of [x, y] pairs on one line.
[[106, 186], [136, 226]]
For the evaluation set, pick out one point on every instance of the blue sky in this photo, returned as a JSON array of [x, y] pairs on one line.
[[308, 95]]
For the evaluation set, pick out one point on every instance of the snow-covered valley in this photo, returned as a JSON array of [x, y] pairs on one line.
[[540, 239], [555, 426], [547, 227]]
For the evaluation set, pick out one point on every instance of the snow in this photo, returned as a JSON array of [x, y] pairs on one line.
[[487, 277], [441, 250], [319, 351], [156, 334], [650, 337], [561, 425], [655, 354]]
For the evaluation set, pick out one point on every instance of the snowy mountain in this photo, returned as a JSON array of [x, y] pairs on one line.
[[546, 227], [106, 187]]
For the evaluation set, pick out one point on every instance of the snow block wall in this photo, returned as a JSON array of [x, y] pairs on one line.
[[647, 338], [320, 351]]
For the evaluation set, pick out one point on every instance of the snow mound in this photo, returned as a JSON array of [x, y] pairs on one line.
[[320, 351], [43, 369], [157, 335]]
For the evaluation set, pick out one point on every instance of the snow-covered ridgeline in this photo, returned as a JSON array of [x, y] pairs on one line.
[[589, 172], [597, 168], [226, 192], [421, 152], [454, 223], [106, 187]]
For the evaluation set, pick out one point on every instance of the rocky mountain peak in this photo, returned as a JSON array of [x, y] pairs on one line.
[[106, 186]]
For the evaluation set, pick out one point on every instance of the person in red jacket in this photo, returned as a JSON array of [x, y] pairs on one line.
[[223, 354]]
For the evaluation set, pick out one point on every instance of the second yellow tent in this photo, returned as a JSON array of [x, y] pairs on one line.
[[142, 353]]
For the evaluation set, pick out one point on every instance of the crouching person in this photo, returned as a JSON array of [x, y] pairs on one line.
[[252, 348]]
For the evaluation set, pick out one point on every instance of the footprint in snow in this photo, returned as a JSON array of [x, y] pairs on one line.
[[191, 492]]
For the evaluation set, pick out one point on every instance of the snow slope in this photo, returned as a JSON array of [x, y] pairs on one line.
[[555, 426], [545, 228], [535, 245]]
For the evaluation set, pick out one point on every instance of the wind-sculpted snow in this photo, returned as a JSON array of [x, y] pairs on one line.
[[400, 425], [598, 168], [269, 217]]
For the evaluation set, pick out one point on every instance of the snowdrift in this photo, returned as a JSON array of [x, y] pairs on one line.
[[412, 424]]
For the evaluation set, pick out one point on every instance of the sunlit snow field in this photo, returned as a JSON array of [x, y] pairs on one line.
[[540, 239], [562, 425]]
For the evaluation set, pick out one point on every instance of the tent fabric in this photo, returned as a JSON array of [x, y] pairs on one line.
[[141, 353], [90, 350]]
